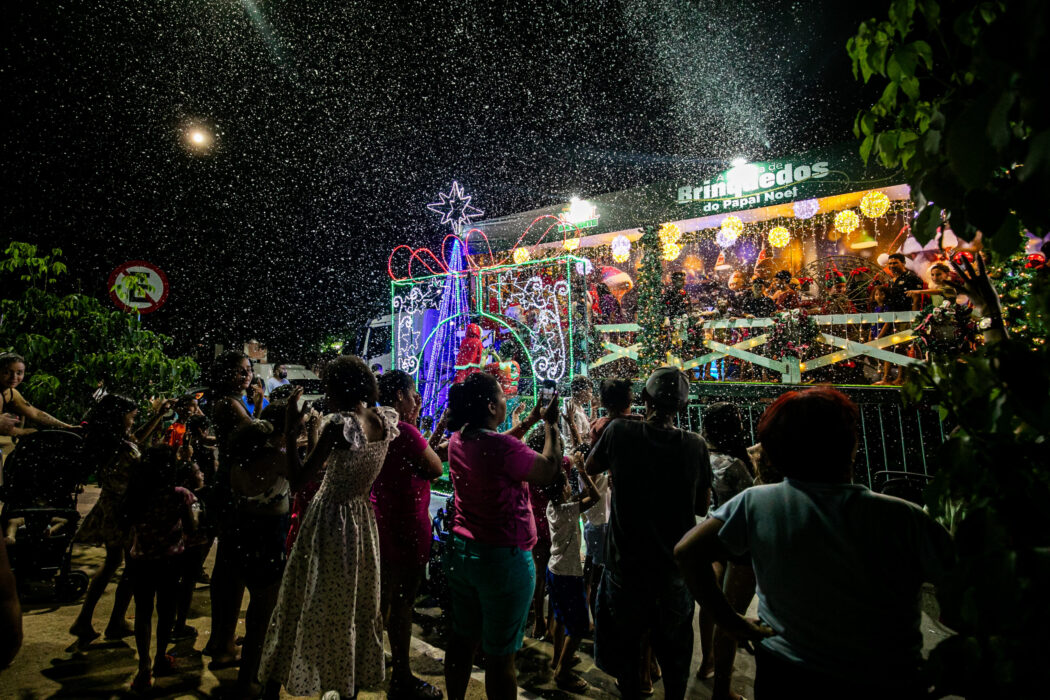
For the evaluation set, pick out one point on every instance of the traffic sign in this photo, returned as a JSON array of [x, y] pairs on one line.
[[145, 294]]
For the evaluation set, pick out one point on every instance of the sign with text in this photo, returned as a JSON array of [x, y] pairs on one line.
[[138, 286]]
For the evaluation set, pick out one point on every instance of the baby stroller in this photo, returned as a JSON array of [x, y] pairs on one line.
[[42, 478]]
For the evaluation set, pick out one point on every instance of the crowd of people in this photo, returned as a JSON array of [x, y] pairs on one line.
[[321, 513]]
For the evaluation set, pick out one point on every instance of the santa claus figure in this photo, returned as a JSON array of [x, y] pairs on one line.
[[469, 358]]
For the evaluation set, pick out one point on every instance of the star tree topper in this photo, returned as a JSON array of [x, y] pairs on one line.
[[455, 207]]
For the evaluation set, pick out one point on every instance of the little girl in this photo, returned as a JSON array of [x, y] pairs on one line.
[[158, 512]]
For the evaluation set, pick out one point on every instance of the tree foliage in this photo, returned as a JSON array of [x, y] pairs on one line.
[[963, 110], [72, 342], [992, 487]]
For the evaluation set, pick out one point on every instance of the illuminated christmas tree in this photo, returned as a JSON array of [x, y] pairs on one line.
[[1015, 280], [653, 336]]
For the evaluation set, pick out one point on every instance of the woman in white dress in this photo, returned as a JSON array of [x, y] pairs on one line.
[[326, 631]]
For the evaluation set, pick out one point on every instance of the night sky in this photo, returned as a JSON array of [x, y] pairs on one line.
[[336, 122]]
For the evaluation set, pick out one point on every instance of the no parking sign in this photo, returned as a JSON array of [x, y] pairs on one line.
[[145, 293]]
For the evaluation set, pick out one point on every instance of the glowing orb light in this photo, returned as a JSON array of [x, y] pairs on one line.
[[669, 234], [671, 251], [584, 267], [732, 227], [571, 244], [806, 208], [874, 204], [521, 255], [621, 248], [846, 221], [779, 237]]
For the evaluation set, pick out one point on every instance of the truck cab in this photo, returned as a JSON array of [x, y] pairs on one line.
[[374, 344]]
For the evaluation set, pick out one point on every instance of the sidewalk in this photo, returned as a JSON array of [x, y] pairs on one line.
[[49, 665]]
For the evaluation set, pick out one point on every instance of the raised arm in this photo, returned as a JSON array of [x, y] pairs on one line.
[[590, 495], [163, 409], [546, 465], [19, 405], [299, 473], [519, 430], [979, 288], [574, 434], [437, 441]]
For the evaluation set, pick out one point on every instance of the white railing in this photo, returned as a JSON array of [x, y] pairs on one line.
[[790, 368]]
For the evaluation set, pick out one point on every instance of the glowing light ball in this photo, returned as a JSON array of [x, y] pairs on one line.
[[584, 267], [806, 208], [521, 255], [846, 221], [621, 248], [874, 204], [779, 237], [883, 259], [671, 251], [571, 244], [669, 234], [725, 238], [733, 225]]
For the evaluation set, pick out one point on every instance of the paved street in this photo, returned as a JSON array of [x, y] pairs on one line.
[[49, 666]]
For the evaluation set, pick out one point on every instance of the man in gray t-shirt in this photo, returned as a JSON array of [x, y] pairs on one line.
[[839, 568]]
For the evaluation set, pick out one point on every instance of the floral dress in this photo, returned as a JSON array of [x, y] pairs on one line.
[[326, 631], [102, 526]]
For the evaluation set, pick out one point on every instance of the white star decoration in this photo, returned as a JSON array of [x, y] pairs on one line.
[[455, 207]]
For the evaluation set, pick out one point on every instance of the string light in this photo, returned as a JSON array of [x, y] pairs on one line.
[[621, 248], [874, 204], [521, 255], [846, 221], [806, 208], [779, 237]]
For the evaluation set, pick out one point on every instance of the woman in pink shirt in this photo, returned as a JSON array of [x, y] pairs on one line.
[[489, 563], [401, 500]]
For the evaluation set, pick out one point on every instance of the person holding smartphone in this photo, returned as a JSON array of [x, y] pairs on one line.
[[489, 564]]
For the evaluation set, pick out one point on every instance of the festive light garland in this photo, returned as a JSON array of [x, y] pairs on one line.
[[846, 221], [621, 248], [874, 204], [779, 236]]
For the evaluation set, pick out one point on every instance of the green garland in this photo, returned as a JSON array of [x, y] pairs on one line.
[[653, 337], [793, 333]]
